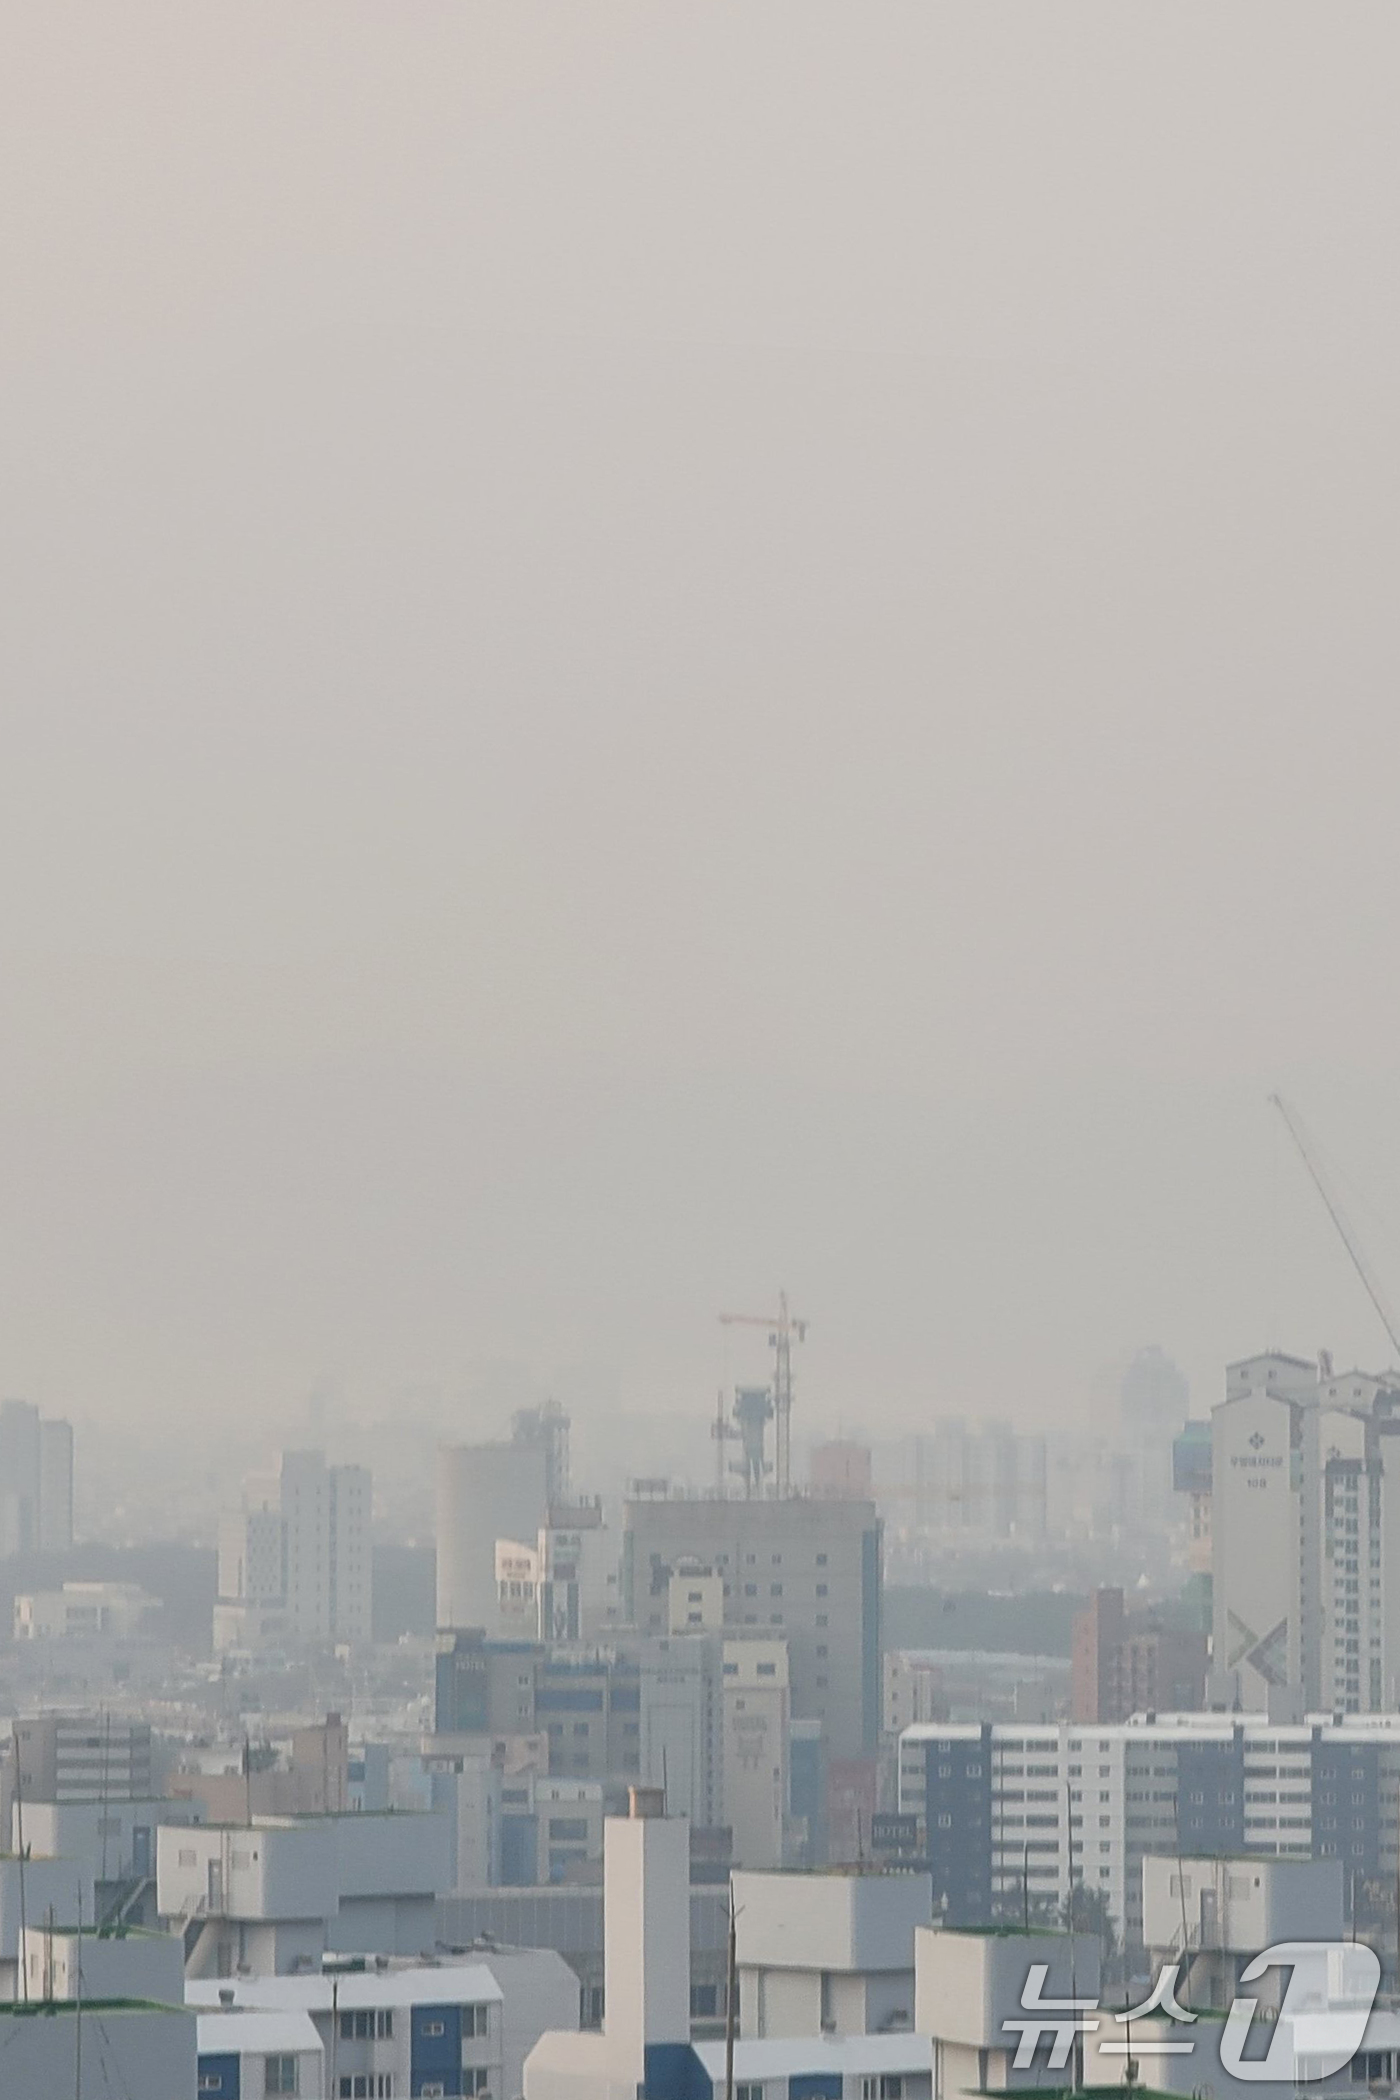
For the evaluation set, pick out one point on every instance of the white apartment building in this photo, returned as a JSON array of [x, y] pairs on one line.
[[383, 2029], [1305, 1537], [295, 1559], [1087, 1803]]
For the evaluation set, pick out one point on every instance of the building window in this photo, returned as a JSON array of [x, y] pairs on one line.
[[821, 1560], [280, 2075], [384, 2023], [473, 2020], [821, 1589], [704, 2001], [748, 2092], [475, 2081]]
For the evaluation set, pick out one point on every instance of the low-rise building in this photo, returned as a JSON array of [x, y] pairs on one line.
[[94, 2047], [279, 1892], [64, 1961], [828, 1953], [253, 2055], [113, 1611], [398, 2028]]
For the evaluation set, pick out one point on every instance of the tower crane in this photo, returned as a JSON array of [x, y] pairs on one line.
[[783, 1330], [1307, 1153]]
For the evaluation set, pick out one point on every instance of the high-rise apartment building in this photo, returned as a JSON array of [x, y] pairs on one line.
[[36, 1481], [1011, 1816], [1305, 1537], [295, 1560], [975, 1483], [802, 1571]]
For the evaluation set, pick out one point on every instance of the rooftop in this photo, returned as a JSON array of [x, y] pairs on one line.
[[448, 1982]]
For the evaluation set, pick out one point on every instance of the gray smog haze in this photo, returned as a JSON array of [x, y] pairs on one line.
[[656, 652]]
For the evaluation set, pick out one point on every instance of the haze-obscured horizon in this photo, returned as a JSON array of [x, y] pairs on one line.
[[654, 654]]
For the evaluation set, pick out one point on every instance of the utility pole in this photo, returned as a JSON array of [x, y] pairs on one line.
[[19, 1838], [78, 2013], [731, 2000]]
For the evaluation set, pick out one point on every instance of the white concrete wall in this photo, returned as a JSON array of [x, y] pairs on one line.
[[268, 1871], [968, 1983], [830, 1921], [646, 1924], [58, 1885], [540, 1994], [393, 1854], [148, 1965], [134, 2050], [1256, 1902]]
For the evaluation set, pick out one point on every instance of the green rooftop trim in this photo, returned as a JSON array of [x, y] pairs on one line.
[[1017, 1932], [70, 1929], [1068, 2092], [50, 2008]]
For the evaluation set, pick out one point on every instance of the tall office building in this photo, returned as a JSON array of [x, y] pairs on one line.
[[295, 1560], [36, 1481], [55, 1485], [1153, 1401], [757, 1710], [801, 1571], [487, 1492], [682, 1724]]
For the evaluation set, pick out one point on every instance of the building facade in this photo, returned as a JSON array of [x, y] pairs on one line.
[[296, 1560], [36, 1481], [1009, 1816], [802, 1571]]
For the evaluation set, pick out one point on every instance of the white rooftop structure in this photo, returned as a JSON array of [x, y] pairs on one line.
[[467, 1983]]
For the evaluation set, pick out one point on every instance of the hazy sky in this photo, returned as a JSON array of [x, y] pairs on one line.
[[655, 651]]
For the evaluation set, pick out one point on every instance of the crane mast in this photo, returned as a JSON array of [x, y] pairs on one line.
[[1362, 1266], [783, 1330]]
